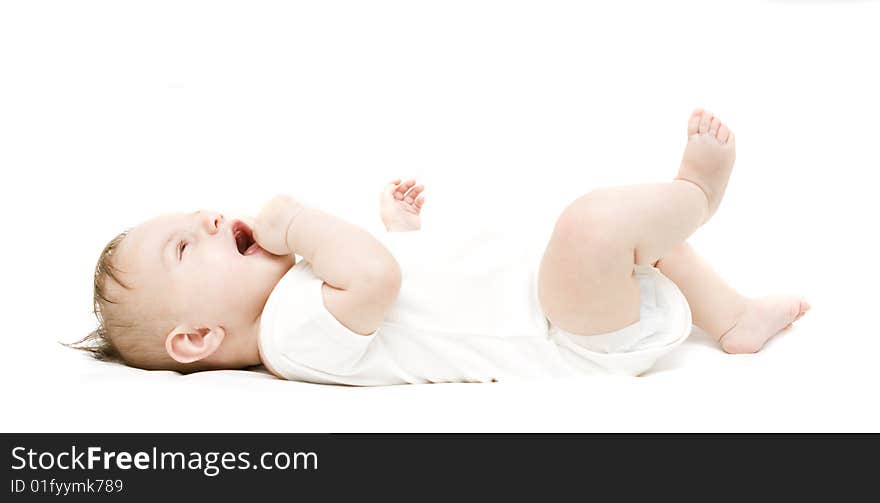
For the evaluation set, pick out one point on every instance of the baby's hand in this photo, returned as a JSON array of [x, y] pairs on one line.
[[400, 205], [270, 226]]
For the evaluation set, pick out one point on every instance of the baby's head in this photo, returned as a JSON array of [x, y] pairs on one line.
[[183, 292]]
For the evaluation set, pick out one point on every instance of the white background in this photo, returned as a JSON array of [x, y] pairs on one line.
[[111, 112]]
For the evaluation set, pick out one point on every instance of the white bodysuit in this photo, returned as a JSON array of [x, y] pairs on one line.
[[467, 312]]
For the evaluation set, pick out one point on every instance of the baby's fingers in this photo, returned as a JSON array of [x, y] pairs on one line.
[[420, 201], [413, 194], [401, 189], [391, 186]]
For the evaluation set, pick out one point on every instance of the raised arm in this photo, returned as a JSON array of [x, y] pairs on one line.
[[361, 276]]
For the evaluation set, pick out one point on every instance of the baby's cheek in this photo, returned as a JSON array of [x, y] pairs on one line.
[[222, 295], [213, 275]]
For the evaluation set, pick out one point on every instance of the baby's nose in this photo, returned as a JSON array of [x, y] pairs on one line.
[[213, 221]]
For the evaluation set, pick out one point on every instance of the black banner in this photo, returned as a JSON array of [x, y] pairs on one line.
[[134, 467]]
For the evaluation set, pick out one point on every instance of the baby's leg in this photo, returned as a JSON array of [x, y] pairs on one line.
[[586, 282], [741, 324]]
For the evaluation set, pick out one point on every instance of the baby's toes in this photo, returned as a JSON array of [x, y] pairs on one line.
[[705, 122], [723, 133], [694, 122], [714, 125]]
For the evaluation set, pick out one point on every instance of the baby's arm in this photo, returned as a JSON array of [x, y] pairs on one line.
[[361, 276]]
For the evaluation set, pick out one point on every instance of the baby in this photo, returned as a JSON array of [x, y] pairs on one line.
[[615, 288]]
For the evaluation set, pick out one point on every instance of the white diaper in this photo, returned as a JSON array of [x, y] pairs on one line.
[[664, 323]]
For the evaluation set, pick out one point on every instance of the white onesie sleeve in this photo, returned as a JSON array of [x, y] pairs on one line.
[[300, 339]]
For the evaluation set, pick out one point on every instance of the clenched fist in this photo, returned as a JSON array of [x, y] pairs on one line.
[[273, 221]]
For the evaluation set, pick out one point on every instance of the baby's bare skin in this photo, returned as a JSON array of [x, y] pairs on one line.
[[400, 205], [740, 324], [361, 277], [586, 283], [709, 156]]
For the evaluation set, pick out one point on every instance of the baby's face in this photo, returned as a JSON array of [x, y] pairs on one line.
[[200, 268]]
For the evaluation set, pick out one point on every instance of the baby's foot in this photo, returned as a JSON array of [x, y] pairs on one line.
[[708, 157], [762, 319]]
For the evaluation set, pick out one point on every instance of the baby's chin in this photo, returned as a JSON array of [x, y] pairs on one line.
[[249, 289], [277, 264]]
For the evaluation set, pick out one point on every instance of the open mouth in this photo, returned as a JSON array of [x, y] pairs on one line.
[[244, 238]]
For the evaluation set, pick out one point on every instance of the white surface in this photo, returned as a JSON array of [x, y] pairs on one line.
[[111, 112]]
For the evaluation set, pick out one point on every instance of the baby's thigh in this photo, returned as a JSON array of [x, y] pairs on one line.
[[586, 282]]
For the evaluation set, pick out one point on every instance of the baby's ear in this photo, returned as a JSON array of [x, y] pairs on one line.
[[187, 343]]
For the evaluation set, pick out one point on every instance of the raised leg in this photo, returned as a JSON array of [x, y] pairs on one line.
[[586, 284], [739, 323]]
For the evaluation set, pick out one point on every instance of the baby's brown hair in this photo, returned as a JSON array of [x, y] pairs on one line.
[[123, 335], [99, 343]]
